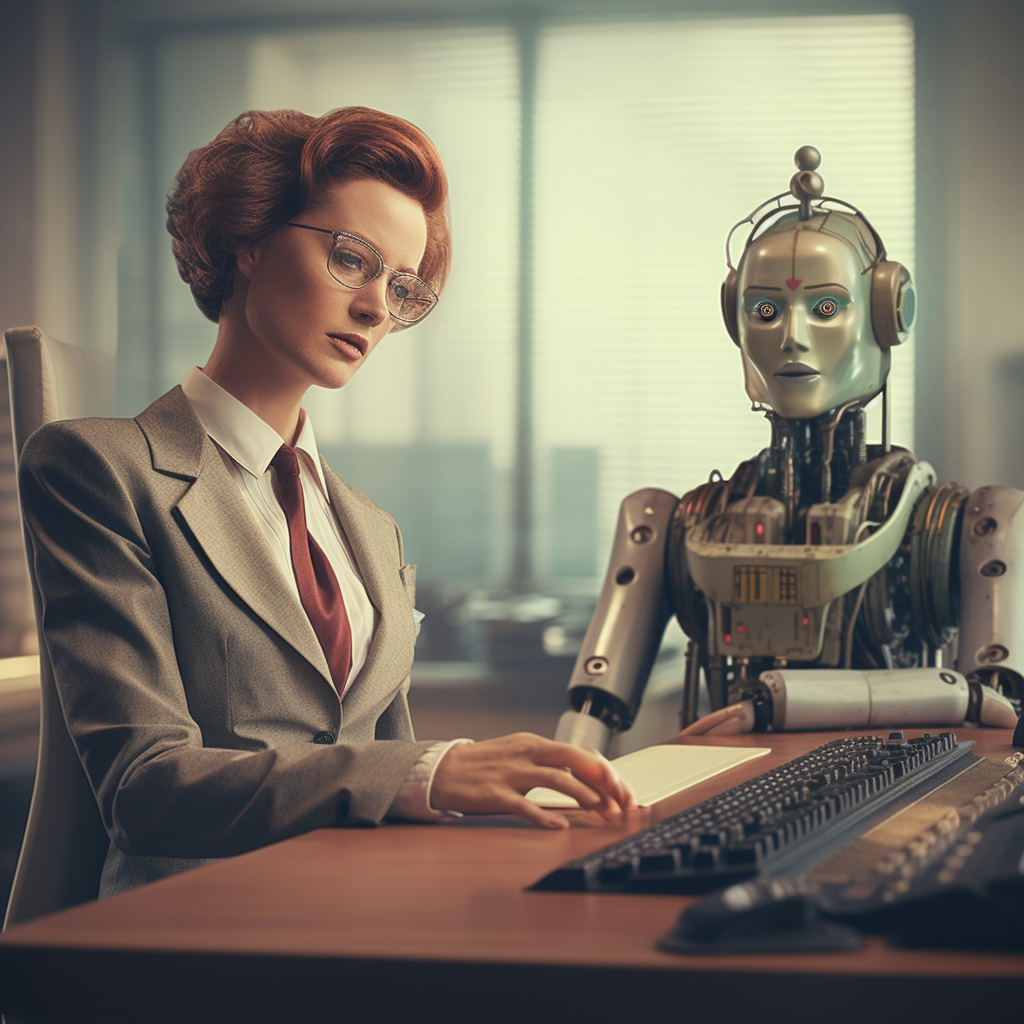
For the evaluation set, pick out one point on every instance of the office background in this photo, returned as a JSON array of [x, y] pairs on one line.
[[599, 152]]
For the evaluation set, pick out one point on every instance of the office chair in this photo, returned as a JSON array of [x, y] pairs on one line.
[[65, 843]]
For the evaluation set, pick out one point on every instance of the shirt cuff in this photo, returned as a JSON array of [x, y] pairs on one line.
[[413, 798]]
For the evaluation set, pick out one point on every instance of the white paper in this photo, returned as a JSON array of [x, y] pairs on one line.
[[661, 771]]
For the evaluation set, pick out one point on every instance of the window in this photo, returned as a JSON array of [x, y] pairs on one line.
[[648, 141]]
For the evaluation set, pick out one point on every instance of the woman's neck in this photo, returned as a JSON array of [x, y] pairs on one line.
[[278, 402]]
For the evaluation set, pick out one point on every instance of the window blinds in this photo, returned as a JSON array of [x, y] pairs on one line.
[[651, 139]]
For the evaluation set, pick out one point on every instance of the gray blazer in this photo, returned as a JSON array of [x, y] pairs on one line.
[[192, 682]]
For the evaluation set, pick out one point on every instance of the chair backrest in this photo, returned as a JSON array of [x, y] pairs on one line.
[[65, 843]]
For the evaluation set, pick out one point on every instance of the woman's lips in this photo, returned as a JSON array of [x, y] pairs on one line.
[[796, 373], [352, 345]]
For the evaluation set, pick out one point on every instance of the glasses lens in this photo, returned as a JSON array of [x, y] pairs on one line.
[[353, 264], [409, 298]]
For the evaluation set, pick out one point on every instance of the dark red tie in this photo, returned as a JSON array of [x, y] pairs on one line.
[[318, 586]]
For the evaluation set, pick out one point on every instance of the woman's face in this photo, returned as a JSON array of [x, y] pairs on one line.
[[805, 323], [305, 327]]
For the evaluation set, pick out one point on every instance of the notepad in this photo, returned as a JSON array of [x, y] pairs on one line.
[[661, 771]]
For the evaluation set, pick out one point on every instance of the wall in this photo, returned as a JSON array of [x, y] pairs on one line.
[[971, 222]]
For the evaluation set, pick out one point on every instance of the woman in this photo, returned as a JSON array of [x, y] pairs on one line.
[[230, 624]]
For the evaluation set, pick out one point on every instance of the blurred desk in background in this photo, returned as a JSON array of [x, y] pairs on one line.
[[478, 700], [19, 744]]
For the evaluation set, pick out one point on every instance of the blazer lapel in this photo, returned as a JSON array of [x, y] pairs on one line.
[[374, 542], [216, 514]]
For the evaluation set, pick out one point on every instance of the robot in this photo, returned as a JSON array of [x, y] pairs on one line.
[[829, 581]]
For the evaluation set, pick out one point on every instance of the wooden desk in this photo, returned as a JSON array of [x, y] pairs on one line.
[[417, 923]]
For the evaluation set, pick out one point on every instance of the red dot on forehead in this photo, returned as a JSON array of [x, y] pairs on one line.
[[792, 283]]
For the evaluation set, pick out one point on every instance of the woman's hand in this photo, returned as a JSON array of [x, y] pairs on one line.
[[492, 776]]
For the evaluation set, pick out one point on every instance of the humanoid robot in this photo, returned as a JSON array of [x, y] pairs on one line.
[[828, 582]]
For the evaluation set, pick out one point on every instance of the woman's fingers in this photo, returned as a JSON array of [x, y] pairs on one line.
[[588, 798], [596, 771], [527, 809], [492, 776]]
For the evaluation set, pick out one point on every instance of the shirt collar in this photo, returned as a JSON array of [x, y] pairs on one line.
[[250, 441]]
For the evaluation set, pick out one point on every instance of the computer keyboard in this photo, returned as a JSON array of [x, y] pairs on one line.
[[946, 870], [782, 821]]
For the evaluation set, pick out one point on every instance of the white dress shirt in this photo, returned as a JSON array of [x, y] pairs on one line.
[[247, 444]]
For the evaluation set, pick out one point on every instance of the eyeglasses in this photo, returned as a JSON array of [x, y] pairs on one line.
[[355, 263]]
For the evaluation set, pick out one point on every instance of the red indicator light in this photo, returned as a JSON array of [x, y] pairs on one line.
[[807, 621], [740, 628], [728, 638], [759, 529]]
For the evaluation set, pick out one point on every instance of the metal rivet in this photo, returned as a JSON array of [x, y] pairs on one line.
[[993, 653], [641, 535], [993, 568], [984, 526], [596, 666]]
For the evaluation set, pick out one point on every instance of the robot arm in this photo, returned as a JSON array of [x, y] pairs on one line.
[[992, 591], [992, 587], [626, 629]]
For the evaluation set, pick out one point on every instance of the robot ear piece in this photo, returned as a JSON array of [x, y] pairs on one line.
[[729, 306], [893, 303]]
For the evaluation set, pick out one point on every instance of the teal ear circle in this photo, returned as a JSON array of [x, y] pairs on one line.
[[907, 309]]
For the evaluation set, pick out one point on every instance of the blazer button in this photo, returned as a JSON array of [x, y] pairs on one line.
[[325, 738]]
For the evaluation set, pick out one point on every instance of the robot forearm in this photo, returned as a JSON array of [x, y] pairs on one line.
[[806, 699], [626, 629]]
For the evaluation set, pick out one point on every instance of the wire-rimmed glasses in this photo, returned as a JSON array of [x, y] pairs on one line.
[[355, 263]]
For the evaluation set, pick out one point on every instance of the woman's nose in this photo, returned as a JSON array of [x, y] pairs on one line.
[[369, 304], [795, 336]]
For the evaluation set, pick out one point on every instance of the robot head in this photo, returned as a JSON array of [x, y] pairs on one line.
[[814, 305]]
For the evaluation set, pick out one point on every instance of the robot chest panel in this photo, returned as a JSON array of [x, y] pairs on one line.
[[764, 593], [768, 597]]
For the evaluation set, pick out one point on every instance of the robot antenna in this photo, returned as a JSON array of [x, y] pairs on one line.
[[807, 185]]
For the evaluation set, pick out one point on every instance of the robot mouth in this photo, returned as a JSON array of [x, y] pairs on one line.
[[796, 373]]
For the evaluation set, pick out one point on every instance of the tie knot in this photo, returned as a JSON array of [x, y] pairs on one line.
[[285, 462]]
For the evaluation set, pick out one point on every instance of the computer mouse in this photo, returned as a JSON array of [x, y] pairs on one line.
[[764, 915]]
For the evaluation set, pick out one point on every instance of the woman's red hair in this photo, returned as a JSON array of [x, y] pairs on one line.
[[266, 167]]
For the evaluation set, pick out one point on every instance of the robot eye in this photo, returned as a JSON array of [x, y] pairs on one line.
[[766, 310], [826, 309]]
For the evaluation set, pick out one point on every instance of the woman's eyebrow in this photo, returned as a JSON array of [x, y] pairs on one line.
[[761, 288], [398, 270]]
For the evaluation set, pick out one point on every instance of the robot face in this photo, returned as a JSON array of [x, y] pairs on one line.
[[805, 323]]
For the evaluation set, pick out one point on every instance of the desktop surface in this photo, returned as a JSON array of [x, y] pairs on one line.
[[425, 922]]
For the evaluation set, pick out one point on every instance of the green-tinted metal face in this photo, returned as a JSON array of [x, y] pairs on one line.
[[805, 321]]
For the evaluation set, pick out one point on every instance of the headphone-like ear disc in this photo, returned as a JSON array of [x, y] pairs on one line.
[[893, 303], [729, 306]]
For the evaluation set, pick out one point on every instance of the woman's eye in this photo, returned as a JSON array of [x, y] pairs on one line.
[[826, 309], [400, 291], [349, 260], [766, 310]]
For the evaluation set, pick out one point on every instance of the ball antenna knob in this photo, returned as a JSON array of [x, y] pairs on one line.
[[807, 185], [807, 158]]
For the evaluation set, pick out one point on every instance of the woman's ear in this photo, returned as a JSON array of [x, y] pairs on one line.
[[245, 260]]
